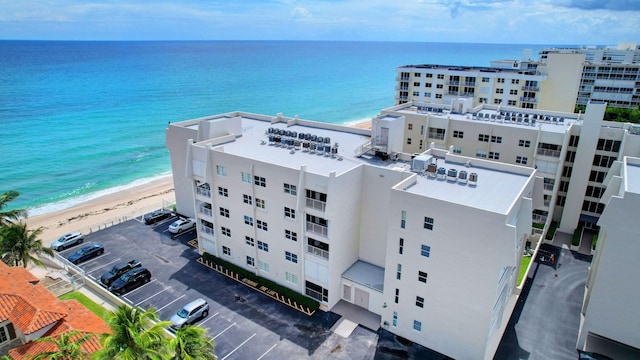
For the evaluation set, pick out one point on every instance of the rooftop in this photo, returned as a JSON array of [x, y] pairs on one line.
[[484, 69], [633, 175], [366, 274]]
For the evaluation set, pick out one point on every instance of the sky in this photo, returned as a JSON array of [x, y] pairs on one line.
[[567, 22]]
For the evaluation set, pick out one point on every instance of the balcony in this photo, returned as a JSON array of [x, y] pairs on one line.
[[402, 78], [435, 135], [206, 230], [549, 152], [452, 93], [548, 187], [530, 88], [528, 99], [539, 218], [316, 204], [317, 229], [453, 82], [203, 191], [470, 83], [317, 252], [405, 88], [205, 211]]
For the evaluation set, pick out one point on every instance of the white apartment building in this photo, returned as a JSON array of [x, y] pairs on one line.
[[610, 312], [551, 85], [313, 207], [610, 74]]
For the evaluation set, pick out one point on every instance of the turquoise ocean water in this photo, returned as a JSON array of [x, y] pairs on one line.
[[80, 119]]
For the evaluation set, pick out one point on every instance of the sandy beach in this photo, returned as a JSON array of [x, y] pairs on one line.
[[105, 210]]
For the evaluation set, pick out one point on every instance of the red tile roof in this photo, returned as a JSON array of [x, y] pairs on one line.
[[31, 307]]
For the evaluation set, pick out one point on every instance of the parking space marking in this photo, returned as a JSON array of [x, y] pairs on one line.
[[103, 265], [94, 259], [132, 291], [209, 318], [152, 296], [181, 296], [234, 350], [266, 352], [222, 332]]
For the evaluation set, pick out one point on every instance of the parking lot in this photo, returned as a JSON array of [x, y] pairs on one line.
[[244, 324]]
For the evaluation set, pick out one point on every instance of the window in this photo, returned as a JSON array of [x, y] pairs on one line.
[[223, 191], [597, 176], [262, 225], [226, 231], [246, 177], [395, 318], [226, 250], [422, 277], [564, 186], [416, 93], [316, 291], [500, 80], [403, 219], [409, 126], [289, 213], [485, 79], [494, 155], [260, 181], [524, 143], [220, 170], [566, 171], [515, 81], [512, 102], [416, 74], [291, 235], [513, 92], [499, 91], [439, 86], [263, 246], [399, 272], [427, 94], [483, 137], [608, 145], [263, 266], [247, 199], [483, 100], [428, 223], [573, 140], [290, 189], [318, 248], [408, 141], [481, 154], [397, 296], [438, 96], [249, 241], [251, 261], [571, 156], [425, 250], [417, 325], [458, 134], [457, 150], [291, 278], [521, 160], [260, 204], [289, 256], [440, 76], [419, 301], [561, 200], [497, 101], [224, 212], [401, 246], [248, 220]]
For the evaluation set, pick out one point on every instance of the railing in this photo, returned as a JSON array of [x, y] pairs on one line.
[[548, 152], [540, 219], [468, 94], [205, 211], [469, 83], [317, 252], [402, 88], [316, 204], [453, 82], [314, 294], [452, 93], [403, 97], [206, 230], [317, 229], [402, 78], [548, 186], [528, 99], [203, 192], [530, 88], [435, 135], [547, 203]]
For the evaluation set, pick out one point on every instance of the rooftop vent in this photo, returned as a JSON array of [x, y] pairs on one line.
[[473, 178], [452, 174], [462, 177], [442, 173]]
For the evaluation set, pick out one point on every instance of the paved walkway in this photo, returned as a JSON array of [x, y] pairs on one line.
[[357, 315], [563, 240]]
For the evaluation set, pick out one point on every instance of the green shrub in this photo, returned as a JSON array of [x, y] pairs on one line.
[[297, 297], [595, 241], [537, 226], [577, 234], [552, 230]]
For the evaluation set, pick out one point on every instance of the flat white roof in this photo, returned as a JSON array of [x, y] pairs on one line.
[[494, 191], [366, 274], [633, 178]]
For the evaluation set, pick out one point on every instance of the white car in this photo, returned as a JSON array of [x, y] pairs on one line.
[[182, 224], [67, 240]]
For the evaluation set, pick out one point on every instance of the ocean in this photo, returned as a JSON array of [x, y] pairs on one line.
[[81, 119]]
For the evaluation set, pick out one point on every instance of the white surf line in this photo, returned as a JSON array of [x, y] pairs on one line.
[[266, 352], [222, 332], [234, 350], [152, 296], [181, 296], [209, 318]]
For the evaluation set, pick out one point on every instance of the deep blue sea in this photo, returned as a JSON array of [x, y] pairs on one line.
[[78, 119]]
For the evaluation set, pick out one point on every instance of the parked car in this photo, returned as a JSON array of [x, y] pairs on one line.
[[157, 215], [182, 224], [130, 280], [85, 253], [190, 313], [67, 241], [118, 270]]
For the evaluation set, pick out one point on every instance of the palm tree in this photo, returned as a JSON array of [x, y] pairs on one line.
[[68, 345], [6, 216], [135, 334], [191, 343], [19, 245]]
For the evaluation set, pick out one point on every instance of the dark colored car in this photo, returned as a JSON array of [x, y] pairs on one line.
[[157, 215], [85, 253], [118, 270], [130, 280]]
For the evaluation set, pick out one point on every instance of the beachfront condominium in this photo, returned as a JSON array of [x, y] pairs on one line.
[[610, 73], [309, 206], [549, 85], [611, 313]]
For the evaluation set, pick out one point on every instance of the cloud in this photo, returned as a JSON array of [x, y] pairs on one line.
[[300, 13], [615, 5]]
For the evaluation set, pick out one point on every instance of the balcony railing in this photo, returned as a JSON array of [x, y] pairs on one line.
[[206, 230], [203, 192], [469, 83], [402, 88], [548, 186], [548, 152], [435, 135], [316, 204], [453, 82], [540, 219], [528, 99], [452, 92], [317, 252], [205, 211], [530, 88], [317, 229]]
